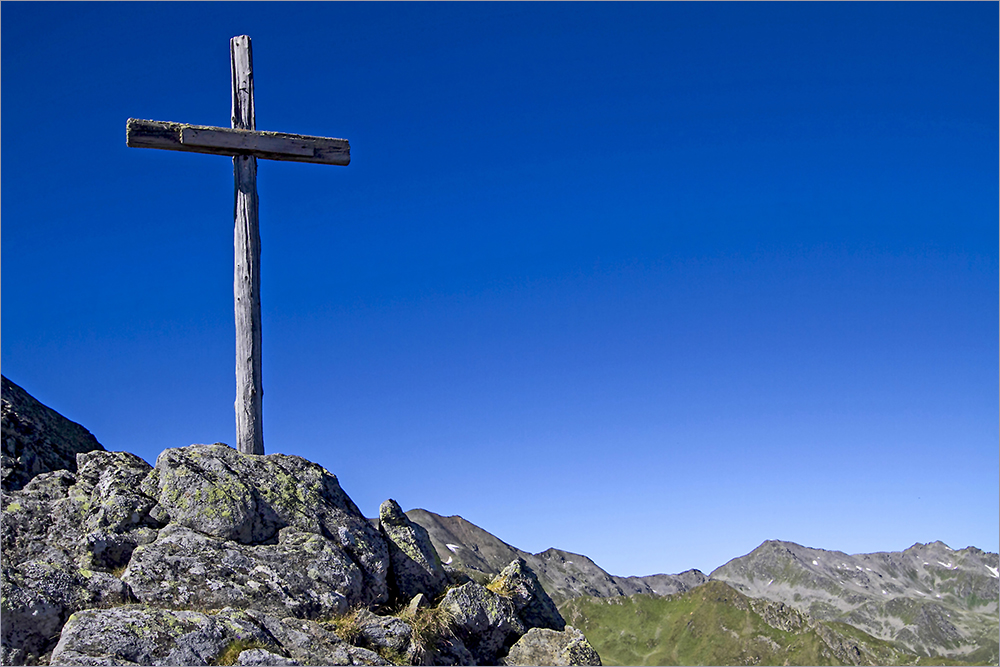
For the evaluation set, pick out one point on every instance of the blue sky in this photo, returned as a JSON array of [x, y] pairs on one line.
[[648, 282]]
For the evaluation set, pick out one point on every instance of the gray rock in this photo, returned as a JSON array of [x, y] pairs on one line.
[[94, 518], [304, 575], [137, 634], [144, 635], [215, 490], [36, 438], [415, 565], [419, 601], [486, 623], [38, 597], [541, 646], [518, 582], [383, 632], [310, 643], [62, 534], [259, 656]]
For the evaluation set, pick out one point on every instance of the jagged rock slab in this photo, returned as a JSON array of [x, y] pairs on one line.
[[36, 438], [540, 646], [487, 623], [62, 535], [415, 565], [929, 598], [518, 583]]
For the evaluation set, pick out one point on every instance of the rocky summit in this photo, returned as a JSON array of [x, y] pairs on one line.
[[216, 557]]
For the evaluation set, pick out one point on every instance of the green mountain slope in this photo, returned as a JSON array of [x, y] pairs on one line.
[[716, 625]]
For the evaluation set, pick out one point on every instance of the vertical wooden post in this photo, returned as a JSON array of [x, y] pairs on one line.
[[246, 280]]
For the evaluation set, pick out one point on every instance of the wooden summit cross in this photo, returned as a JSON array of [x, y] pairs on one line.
[[245, 144]]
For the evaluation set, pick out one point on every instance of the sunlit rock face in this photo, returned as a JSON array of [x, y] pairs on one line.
[[277, 519]]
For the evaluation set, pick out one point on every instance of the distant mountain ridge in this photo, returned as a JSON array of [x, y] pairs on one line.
[[564, 575], [928, 598]]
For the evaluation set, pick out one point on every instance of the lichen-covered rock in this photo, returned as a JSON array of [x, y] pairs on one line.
[[486, 622], [310, 643], [46, 574], [215, 490], [415, 565], [36, 438], [259, 656], [304, 575], [144, 635], [137, 634], [541, 646], [62, 535], [383, 632], [94, 518], [518, 582]]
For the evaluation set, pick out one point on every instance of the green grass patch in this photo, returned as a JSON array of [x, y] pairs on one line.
[[231, 653]]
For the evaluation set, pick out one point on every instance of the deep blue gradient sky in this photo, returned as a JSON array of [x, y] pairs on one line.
[[649, 282]]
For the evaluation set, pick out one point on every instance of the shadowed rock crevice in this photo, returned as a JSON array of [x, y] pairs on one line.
[[36, 438]]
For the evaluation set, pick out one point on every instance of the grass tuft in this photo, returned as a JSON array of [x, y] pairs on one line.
[[231, 654]]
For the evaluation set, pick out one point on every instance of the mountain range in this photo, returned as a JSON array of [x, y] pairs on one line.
[[929, 601]]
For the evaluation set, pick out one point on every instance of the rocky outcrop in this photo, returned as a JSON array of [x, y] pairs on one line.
[[303, 575], [216, 557], [486, 622], [62, 536], [541, 646], [36, 439], [143, 635], [532, 604], [415, 565], [216, 491]]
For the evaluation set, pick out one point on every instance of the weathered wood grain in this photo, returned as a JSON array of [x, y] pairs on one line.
[[225, 141], [246, 275], [245, 144]]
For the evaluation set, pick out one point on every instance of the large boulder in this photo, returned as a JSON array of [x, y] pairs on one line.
[[415, 565], [541, 646], [486, 622], [36, 438], [143, 635], [518, 583], [248, 500], [303, 575]]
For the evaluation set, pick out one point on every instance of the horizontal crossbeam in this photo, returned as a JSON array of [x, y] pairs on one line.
[[224, 141]]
